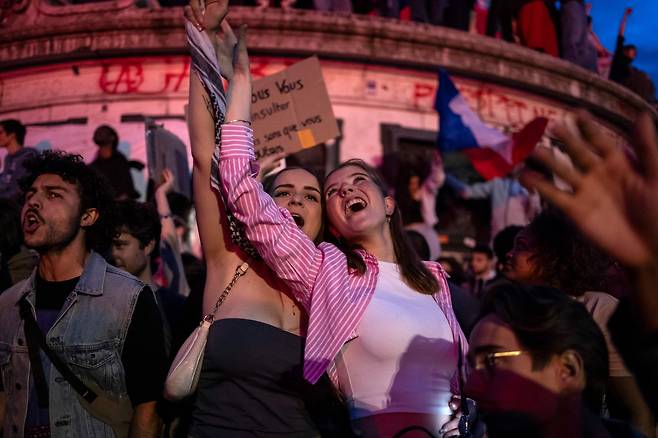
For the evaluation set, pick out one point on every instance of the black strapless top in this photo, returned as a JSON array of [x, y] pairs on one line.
[[251, 383]]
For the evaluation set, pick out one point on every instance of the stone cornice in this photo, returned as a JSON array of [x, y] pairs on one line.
[[44, 34]]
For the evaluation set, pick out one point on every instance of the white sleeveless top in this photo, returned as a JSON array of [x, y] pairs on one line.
[[404, 355]]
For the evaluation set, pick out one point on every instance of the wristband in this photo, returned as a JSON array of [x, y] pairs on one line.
[[246, 122]]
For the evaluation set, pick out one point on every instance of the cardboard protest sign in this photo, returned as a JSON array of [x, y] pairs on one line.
[[164, 150], [291, 110]]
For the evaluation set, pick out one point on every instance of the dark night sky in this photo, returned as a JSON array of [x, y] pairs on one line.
[[641, 29]]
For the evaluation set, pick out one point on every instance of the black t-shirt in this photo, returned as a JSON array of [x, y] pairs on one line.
[[144, 359]]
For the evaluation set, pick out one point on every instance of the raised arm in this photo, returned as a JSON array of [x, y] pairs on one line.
[[473, 191], [429, 190], [622, 23], [272, 231], [170, 250], [219, 253], [206, 202], [219, 257], [168, 227], [620, 64]]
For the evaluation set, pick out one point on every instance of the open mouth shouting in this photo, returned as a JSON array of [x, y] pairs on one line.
[[31, 222], [355, 205], [299, 220]]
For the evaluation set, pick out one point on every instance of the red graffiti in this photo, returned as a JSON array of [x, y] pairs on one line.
[[484, 98], [492, 104], [422, 91], [139, 76], [177, 79], [513, 108], [128, 77], [124, 78]]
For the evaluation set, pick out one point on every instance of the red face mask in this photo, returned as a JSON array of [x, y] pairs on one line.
[[506, 391]]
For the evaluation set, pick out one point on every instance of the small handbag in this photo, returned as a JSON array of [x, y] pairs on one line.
[[184, 372]]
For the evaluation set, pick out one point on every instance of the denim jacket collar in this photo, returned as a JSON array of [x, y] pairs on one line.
[[90, 283]]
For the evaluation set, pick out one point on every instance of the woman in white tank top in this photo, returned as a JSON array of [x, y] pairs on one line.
[[397, 371]]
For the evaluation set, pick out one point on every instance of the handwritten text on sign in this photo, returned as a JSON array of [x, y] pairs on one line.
[[291, 110]]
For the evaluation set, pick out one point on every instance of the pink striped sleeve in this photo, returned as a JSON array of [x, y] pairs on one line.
[[334, 295], [444, 300], [272, 231]]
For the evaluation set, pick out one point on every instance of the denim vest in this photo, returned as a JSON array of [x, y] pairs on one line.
[[88, 335]]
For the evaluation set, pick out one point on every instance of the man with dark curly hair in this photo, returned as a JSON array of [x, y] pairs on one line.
[[76, 319]]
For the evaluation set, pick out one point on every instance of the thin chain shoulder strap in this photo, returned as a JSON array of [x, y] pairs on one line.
[[239, 272]]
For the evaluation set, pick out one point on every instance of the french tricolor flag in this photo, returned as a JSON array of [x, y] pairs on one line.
[[492, 153]]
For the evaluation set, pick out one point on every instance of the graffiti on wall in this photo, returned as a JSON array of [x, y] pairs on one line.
[[358, 89], [146, 77], [495, 104], [491, 103], [349, 83], [133, 76]]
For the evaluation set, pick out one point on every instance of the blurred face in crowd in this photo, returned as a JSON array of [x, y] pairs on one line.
[[51, 216], [356, 206], [4, 137], [630, 53], [298, 191], [520, 264], [511, 382], [129, 254], [481, 263], [414, 185], [105, 152]]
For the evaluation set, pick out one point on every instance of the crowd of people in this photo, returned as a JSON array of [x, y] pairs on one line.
[[560, 28], [333, 312]]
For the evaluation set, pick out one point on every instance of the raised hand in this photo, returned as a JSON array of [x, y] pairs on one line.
[[613, 202], [239, 91], [167, 181], [211, 19], [207, 15], [225, 42], [437, 176]]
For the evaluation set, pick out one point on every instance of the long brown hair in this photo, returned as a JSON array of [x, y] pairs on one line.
[[413, 270]]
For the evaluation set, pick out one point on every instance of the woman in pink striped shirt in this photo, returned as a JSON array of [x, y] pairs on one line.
[[251, 382], [380, 321]]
